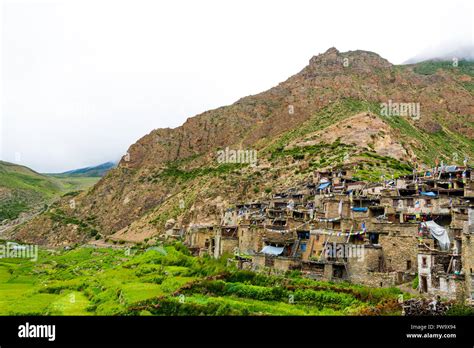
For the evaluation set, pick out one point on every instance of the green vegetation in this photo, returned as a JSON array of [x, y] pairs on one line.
[[463, 67], [175, 171], [169, 281], [442, 144], [60, 216], [430, 67], [184, 175], [27, 189], [416, 282], [373, 166], [13, 176], [330, 115], [460, 310], [13, 206]]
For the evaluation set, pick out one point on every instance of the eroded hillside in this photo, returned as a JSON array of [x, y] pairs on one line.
[[327, 115]]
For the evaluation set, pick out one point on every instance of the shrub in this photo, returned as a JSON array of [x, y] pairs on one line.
[[460, 310], [415, 282]]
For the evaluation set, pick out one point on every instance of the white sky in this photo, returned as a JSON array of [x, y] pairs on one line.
[[82, 80]]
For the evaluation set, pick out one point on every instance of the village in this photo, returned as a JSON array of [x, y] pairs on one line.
[[414, 228]]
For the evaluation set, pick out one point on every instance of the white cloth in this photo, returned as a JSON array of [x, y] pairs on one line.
[[439, 233], [271, 250]]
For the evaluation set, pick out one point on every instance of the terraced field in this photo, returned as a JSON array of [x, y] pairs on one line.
[[169, 281]]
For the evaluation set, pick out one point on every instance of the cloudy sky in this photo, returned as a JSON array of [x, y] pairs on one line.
[[82, 80]]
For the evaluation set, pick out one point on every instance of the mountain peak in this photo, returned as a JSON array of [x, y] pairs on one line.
[[331, 50], [335, 61]]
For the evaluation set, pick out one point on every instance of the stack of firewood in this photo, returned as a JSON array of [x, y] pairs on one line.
[[423, 306]]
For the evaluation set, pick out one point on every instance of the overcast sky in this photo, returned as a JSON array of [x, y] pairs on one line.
[[82, 80]]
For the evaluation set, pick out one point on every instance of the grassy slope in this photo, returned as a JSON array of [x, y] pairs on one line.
[[443, 144], [28, 188], [19, 177], [89, 281]]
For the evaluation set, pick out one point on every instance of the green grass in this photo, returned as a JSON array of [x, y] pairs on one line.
[[19, 177], [324, 118], [442, 144], [430, 67], [88, 281], [60, 216], [28, 189], [464, 67]]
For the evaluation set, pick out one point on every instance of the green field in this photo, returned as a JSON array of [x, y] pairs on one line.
[[169, 281], [25, 189]]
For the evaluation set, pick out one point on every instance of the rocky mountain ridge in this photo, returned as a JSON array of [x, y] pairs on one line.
[[327, 115]]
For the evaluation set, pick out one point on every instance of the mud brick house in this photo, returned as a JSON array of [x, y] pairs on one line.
[[199, 238], [225, 241], [377, 234]]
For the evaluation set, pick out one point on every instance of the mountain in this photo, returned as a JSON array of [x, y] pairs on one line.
[[94, 171], [23, 190], [329, 115]]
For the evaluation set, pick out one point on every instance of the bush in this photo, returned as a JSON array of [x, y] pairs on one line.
[[415, 282], [460, 310]]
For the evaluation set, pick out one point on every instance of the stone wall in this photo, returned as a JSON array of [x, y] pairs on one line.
[[368, 262], [467, 259], [250, 239], [198, 238], [376, 279], [399, 252], [258, 261], [228, 245], [283, 264]]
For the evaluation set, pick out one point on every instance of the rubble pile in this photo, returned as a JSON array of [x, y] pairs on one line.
[[423, 306]]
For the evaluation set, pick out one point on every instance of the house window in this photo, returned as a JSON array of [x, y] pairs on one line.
[[337, 272], [303, 247], [374, 238], [408, 265], [303, 235], [410, 202], [424, 264]]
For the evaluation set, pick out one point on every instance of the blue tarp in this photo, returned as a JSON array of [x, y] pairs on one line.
[[360, 209], [429, 194], [324, 185]]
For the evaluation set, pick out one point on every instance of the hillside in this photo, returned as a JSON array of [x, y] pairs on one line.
[[326, 116], [22, 189]]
